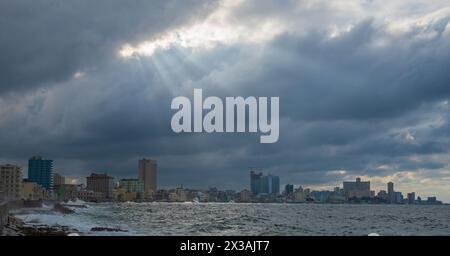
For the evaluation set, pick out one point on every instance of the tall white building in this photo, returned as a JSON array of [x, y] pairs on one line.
[[10, 182], [148, 173]]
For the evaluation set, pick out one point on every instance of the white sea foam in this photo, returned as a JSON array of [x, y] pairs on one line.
[[83, 220]]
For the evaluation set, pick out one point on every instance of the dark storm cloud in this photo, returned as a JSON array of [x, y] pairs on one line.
[[348, 97], [49, 41], [347, 78]]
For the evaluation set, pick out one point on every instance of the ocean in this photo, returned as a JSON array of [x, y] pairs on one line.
[[247, 219]]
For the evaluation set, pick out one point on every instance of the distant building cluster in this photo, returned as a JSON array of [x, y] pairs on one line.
[[44, 184], [354, 192]]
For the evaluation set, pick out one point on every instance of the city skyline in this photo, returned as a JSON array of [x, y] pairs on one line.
[[362, 87], [259, 183]]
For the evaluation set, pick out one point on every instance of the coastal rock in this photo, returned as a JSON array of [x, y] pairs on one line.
[[63, 209], [43, 230], [108, 229]]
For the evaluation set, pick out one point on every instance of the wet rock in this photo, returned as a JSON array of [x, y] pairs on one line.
[[108, 229], [63, 209], [42, 230]]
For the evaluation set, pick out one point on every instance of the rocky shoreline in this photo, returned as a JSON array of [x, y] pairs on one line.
[[16, 227]]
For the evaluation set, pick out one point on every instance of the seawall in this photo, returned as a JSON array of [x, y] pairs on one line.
[[5, 207]]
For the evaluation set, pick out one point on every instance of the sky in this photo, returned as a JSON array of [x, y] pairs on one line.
[[363, 87]]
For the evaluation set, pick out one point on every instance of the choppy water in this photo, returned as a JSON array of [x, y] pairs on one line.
[[251, 219]]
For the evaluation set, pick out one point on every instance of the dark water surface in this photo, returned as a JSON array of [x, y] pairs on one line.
[[251, 219]]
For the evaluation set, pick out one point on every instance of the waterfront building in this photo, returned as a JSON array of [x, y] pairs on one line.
[[321, 196], [245, 196], [357, 189], [122, 195], [383, 195], [432, 200], [391, 192], [299, 195], [10, 182], [337, 190], [398, 197], [33, 191], [178, 195], [264, 184], [58, 179], [306, 193], [133, 186], [67, 191], [255, 182], [411, 197], [213, 194], [200, 196], [148, 174], [101, 183], [161, 195], [289, 189], [89, 195], [41, 171], [335, 198], [230, 195], [270, 184]]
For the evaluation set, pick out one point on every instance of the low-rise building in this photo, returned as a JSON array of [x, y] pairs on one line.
[[66, 191], [33, 191], [245, 196], [90, 196], [178, 195], [299, 195], [122, 195], [135, 186]]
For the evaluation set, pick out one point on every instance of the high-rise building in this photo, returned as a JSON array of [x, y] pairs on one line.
[[255, 182], [411, 197], [264, 184], [391, 193], [289, 189], [357, 189], [10, 182], [148, 173], [41, 172], [101, 183], [270, 184], [398, 198]]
